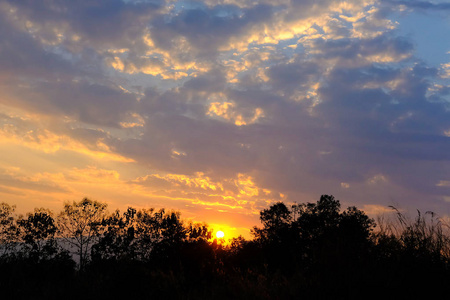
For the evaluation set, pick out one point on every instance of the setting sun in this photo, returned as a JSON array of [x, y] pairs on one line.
[[220, 234]]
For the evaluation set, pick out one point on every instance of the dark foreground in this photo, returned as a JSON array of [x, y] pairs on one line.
[[307, 251]]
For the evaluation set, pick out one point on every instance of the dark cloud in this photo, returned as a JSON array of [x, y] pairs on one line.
[[352, 51], [294, 76], [207, 29], [385, 130], [83, 101], [101, 20], [21, 55], [212, 81]]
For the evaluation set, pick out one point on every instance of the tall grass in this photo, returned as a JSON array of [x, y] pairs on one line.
[[424, 235]]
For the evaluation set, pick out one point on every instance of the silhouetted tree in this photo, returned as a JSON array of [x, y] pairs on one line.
[[143, 235], [9, 231], [119, 240], [197, 231], [171, 234], [355, 226], [276, 222], [316, 219], [148, 229], [80, 226], [38, 232], [310, 250]]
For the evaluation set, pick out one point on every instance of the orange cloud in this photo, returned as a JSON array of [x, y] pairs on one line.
[[229, 112], [48, 142]]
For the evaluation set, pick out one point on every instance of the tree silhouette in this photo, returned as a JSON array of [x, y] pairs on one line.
[[307, 250], [9, 231], [149, 231], [143, 234], [198, 231], [80, 226], [171, 233], [38, 232], [119, 240], [276, 222]]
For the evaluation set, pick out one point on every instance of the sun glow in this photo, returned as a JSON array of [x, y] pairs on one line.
[[220, 234]]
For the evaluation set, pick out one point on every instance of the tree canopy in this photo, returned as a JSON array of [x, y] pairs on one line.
[[310, 250]]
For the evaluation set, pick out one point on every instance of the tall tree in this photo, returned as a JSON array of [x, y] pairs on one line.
[[38, 232], [119, 239], [158, 232], [80, 226], [276, 222], [9, 231]]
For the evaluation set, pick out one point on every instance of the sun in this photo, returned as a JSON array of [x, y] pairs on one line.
[[220, 234]]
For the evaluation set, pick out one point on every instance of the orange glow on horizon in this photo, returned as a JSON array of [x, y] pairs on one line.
[[225, 233]]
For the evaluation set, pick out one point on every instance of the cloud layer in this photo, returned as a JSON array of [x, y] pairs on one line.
[[219, 108]]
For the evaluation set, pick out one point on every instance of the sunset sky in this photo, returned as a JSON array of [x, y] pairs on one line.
[[219, 108]]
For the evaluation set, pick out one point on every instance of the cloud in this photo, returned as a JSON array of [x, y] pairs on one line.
[[422, 5], [13, 181], [31, 134], [226, 105], [205, 29]]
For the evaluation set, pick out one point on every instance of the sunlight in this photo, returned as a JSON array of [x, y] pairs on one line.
[[220, 234]]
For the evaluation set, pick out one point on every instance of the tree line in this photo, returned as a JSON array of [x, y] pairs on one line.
[[312, 250]]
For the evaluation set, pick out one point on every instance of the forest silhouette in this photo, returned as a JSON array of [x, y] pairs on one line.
[[302, 251]]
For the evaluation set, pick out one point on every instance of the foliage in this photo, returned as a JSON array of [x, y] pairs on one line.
[[38, 232], [80, 226], [118, 240], [309, 250], [9, 231]]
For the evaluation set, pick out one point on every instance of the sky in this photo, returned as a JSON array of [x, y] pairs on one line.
[[220, 108]]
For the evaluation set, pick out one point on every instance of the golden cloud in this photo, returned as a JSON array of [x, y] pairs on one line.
[[227, 111], [48, 142]]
